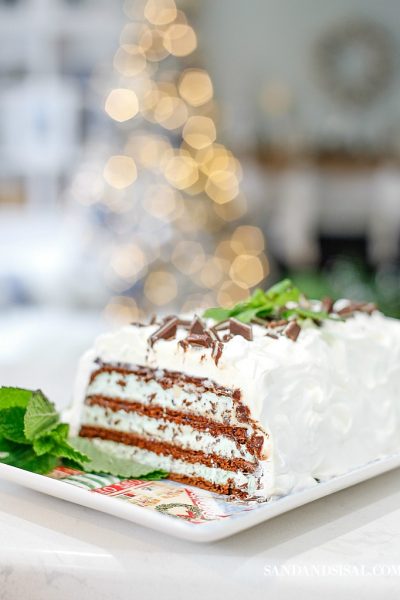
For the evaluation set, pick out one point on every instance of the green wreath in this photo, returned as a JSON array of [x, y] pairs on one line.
[[165, 508], [361, 40]]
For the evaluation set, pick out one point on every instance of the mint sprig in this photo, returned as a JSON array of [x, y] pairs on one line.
[[40, 416], [12, 424], [283, 300], [32, 438], [13, 396], [101, 461]]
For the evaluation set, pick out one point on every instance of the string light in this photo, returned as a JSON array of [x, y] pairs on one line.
[[189, 187]]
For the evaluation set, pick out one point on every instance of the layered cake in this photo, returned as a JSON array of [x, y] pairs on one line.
[[263, 399]]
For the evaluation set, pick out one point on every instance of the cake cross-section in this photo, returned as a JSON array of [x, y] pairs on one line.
[[252, 404]]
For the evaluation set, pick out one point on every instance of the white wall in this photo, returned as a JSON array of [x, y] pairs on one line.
[[248, 44]]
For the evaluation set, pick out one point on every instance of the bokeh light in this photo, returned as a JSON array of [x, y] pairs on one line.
[[222, 186], [247, 239], [122, 309], [199, 132], [246, 270], [129, 60], [195, 87], [160, 287], [188, 194], [121, 104], [160, 12], [180, 40], [170, 112], [120, 171], [128, 261], [152, 44], [188, 257], [212, 272], [230, 293], [181, 171], [163, 202]]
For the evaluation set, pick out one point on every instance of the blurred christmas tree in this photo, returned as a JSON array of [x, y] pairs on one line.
[[167, 204]]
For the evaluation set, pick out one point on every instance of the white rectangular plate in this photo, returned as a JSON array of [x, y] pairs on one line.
[[182, 511]]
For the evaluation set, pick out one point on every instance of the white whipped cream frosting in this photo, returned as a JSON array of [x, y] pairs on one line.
[[330, 401]]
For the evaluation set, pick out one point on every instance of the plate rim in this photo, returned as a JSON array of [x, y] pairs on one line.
[[204, 532]]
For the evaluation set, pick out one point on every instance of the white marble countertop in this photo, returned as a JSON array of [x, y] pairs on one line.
[[341, 546], [345, 546]]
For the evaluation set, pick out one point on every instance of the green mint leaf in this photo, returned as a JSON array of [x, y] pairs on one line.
[[247, 315], [258, 298], [66, 450], [265, 311], [24, 457], [218, 314], [104, 462], [6, 447], [48, 441], [270, 304], [43, 445], [31, 437], [40, 417], [12, 424], [154, 476], [60, 432], [279, 288], [13, 396], [303, 313], [55, 442]]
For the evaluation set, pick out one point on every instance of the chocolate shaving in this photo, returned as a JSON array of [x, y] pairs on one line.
[[292, 331], [272, 335], [217, 352], [368, 308], [238, 328], [327, 304], [259, 321], [197, 326], [222, 325], [167, 331], [227, 337], [280, 323], [242, 413], [185, 323], [365, 307], [217, 329], [269, 324], [195, 339]]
